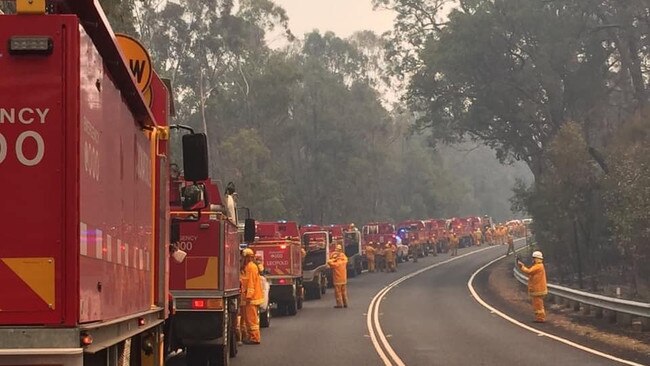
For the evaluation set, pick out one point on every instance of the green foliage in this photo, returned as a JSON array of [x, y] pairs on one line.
[[304, 132], [120, 15]]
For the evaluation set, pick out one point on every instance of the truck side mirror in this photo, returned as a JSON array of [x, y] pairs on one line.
[[195, 157], [175, 232], [249, 230]]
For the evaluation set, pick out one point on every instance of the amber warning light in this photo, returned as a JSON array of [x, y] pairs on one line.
[[30, 45]]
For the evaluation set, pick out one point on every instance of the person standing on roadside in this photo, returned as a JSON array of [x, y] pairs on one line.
[[511, 245], [338, 262], [454, 242], [252, 297], [537, 289], [389, 253], [370, 256]]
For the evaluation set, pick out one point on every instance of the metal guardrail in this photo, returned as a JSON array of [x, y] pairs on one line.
[[598, 301]]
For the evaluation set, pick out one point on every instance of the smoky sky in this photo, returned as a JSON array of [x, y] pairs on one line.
[[343, 17]]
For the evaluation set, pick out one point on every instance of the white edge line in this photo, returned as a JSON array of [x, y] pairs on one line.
[[373, 338], [373, 309], [537, 331]]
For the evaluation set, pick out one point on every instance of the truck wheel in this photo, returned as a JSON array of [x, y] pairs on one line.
[[221, 355], [301, 297], [292, 307], [196, 356], [318, 291], [352, 272], [324, 286], [233, 339], [265, 318]]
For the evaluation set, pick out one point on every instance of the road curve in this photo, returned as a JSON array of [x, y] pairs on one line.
[[432, 319], [429, 319]]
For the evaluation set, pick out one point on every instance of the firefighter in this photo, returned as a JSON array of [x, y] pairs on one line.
[[537, 289], [370, 256], [338, 262], [415, 249], [478, 237], [380, 258], [252, 298], [454, 242], [511, 245], [389, 253]]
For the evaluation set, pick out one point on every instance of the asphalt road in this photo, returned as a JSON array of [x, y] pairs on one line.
[[430, 319]]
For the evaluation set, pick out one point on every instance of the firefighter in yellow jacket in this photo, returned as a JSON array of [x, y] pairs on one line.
[[252, 297], [537, 289], [338, 262], [389, 253], [370, 256]]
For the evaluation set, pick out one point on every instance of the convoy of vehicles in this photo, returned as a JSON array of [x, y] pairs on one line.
[[157, 267]]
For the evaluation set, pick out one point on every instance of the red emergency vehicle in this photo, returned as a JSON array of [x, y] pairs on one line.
[[205, 286], [278, 246], [437, 232], [380, 233], [462, 227], [414, 232], [315, 271], [83, 279]]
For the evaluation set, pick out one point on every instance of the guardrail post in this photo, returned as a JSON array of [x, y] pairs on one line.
[[586, 309], [624, 319], [598, 313], [610, 315], [645, 324], [575, 305]]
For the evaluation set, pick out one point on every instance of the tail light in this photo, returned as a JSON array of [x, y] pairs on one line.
[[207, 304]]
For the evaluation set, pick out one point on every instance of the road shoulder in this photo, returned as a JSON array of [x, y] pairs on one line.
[[497, 286]]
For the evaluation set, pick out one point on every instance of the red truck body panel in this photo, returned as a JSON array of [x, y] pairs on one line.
[[436, 229], [377, 232], [278, 246], [416, 232], [77, 246], [212, 246]]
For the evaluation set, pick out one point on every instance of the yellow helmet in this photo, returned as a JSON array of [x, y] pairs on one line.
[[339, 247], [248, 252]]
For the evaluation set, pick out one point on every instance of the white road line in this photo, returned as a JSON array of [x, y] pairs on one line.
[[372, 317], [537, 331]]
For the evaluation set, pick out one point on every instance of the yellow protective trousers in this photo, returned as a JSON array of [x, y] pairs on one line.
[[251, 319], [371, 265], [341, 293], [538, 307]]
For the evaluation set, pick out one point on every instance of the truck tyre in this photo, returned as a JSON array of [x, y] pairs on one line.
[[196, 356], [292, 307], [352, 272], [301, 296], [324, 286], [221, 354], [318, 291], [265, 318]]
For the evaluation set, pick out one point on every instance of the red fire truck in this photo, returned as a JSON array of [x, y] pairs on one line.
[[414, 232], [205, 286], [279, 248], [437, 234], [380, 233], [83, 280], [463, 230], [315, 272]]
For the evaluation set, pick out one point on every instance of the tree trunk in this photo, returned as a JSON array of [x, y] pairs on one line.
[[576, 243]]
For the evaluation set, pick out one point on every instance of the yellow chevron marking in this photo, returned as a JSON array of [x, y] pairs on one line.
[[37, 273], [209, 279]]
